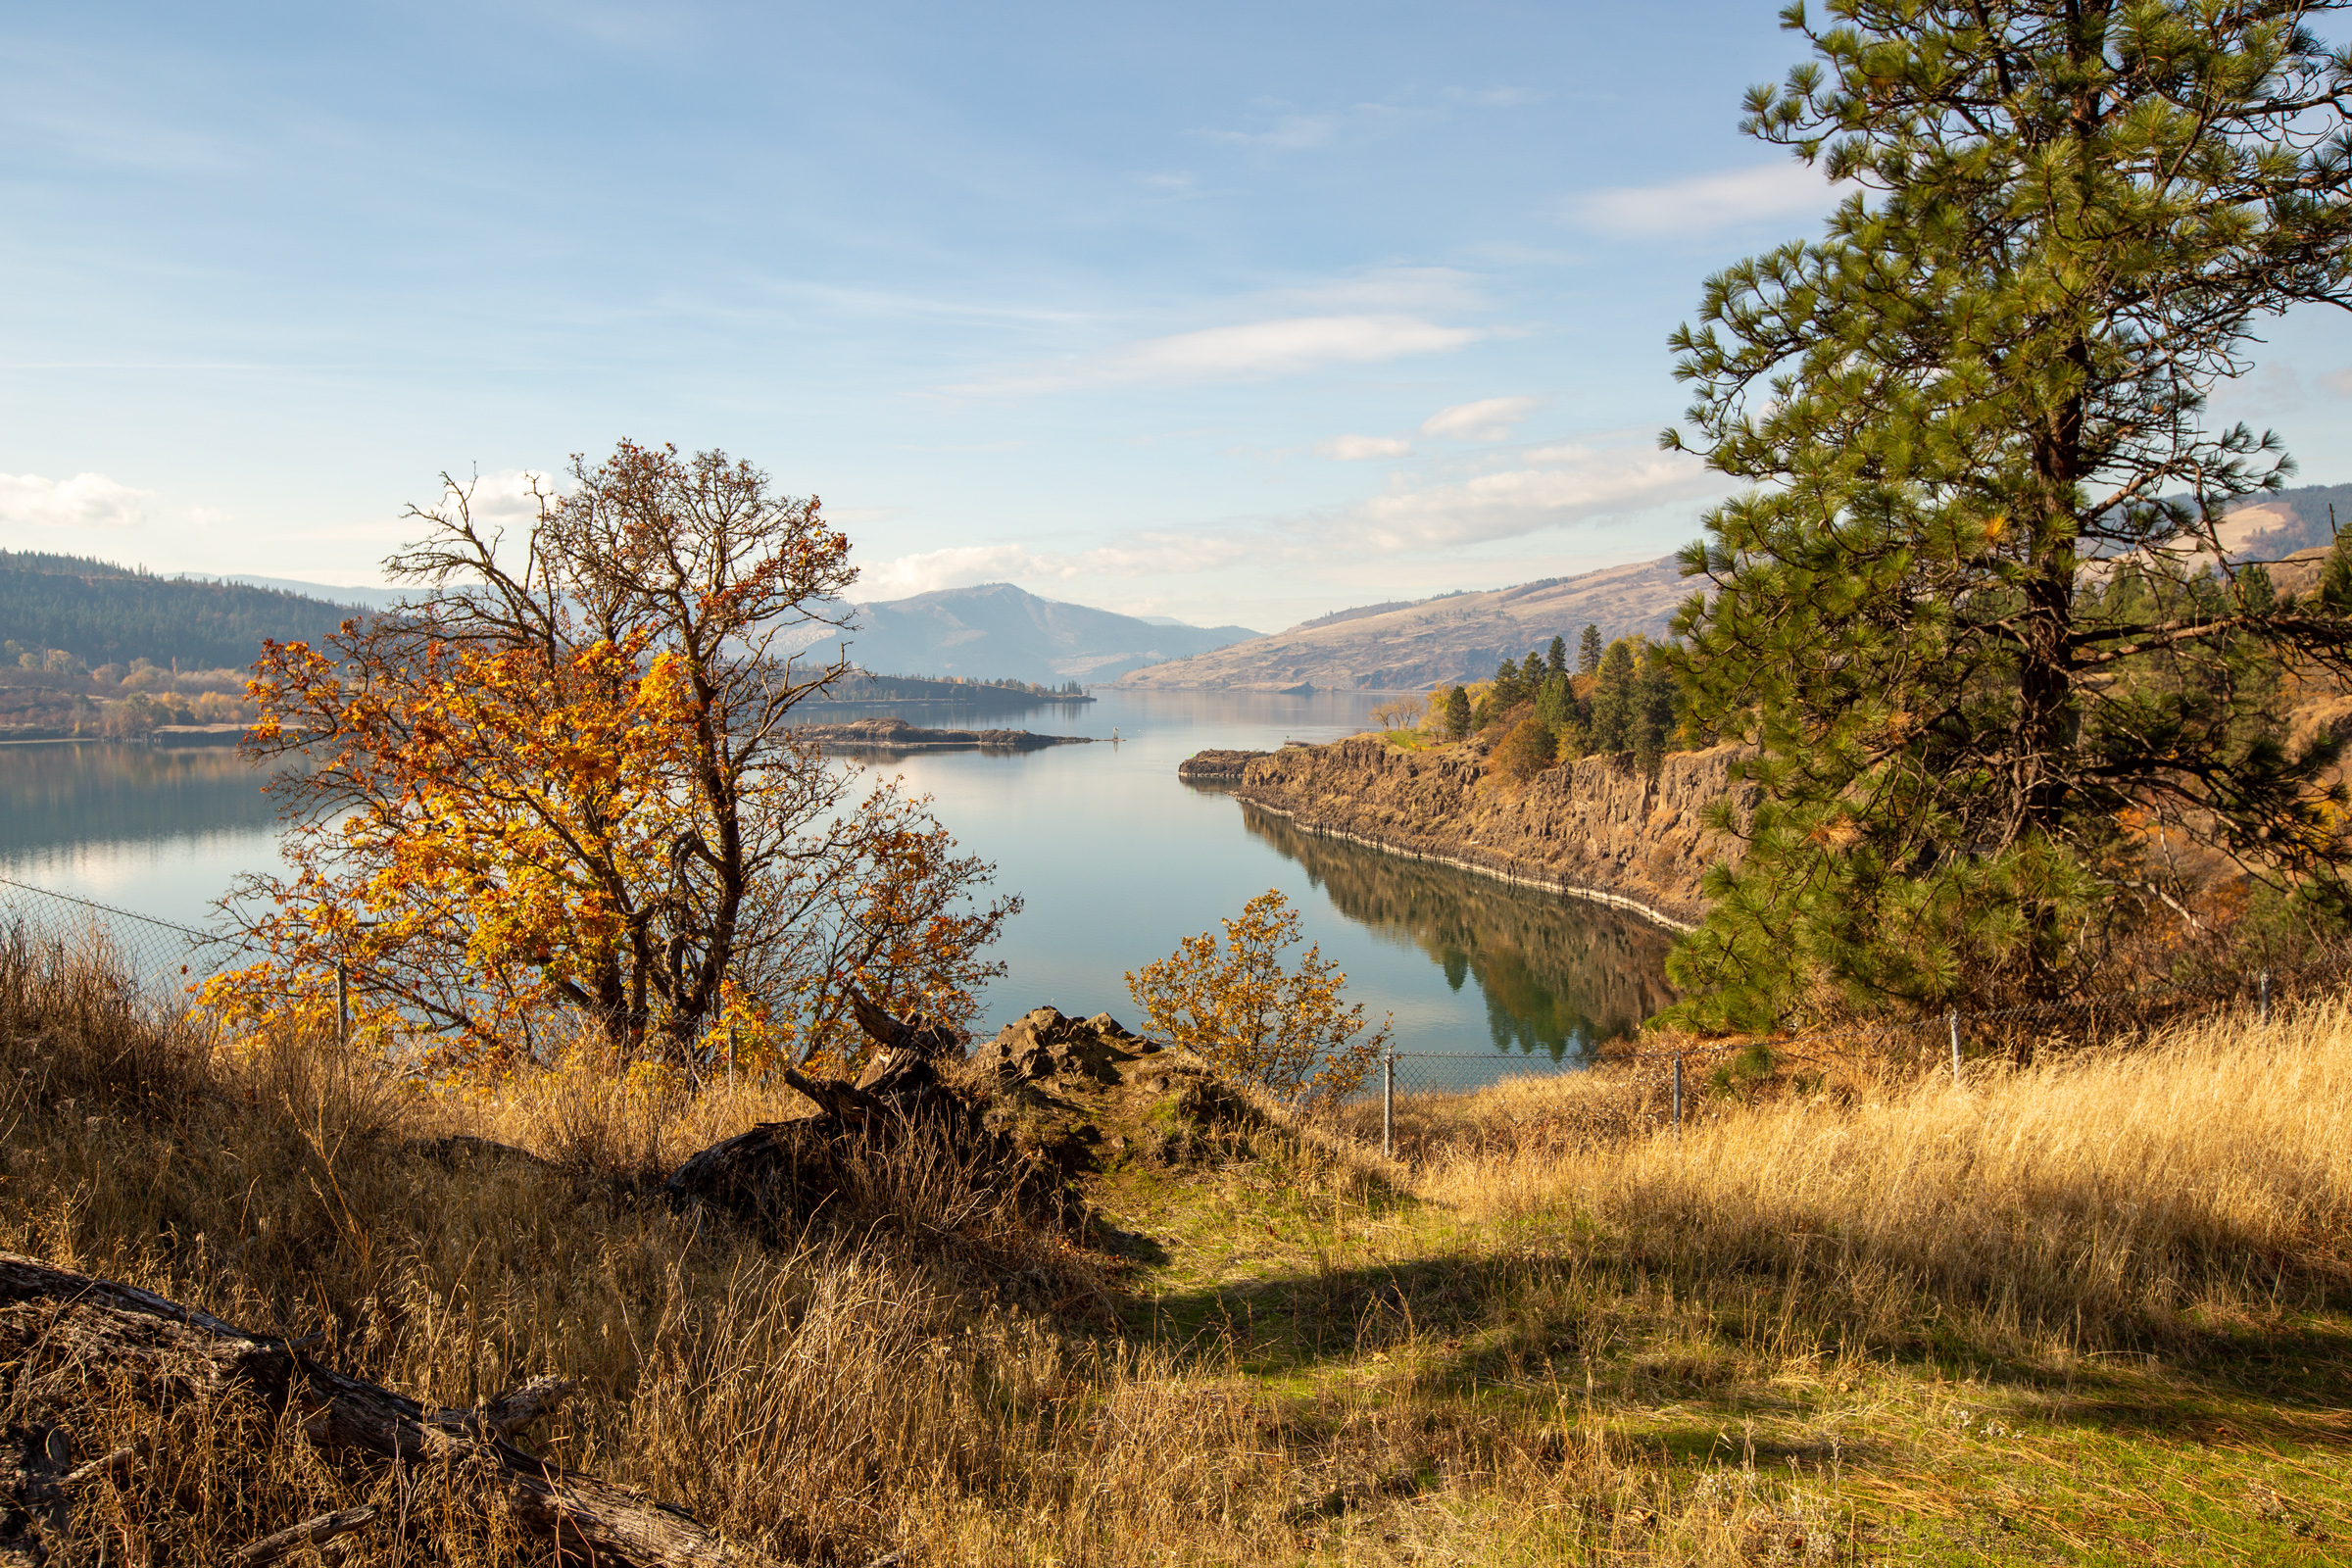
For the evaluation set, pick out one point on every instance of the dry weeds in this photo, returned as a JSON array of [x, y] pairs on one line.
[[1499, 1360]]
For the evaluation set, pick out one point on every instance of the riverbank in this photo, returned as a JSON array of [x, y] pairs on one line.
[[1596, 828]]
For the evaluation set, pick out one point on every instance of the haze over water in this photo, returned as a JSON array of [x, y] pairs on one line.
[[1114, 858]]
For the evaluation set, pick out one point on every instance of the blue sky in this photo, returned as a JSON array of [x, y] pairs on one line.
[[1239, 313]]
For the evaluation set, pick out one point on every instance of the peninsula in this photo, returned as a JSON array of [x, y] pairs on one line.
[[1593, 828]]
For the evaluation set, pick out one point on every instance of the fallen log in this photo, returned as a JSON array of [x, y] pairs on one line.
[[310, 1533], [52, 1319]]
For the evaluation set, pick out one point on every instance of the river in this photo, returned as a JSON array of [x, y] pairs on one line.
[[1114, 856]]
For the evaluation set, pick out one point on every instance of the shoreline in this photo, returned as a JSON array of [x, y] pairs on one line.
[[1572, 890]]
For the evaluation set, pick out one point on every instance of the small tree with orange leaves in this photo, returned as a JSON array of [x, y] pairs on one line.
[[563, 774], [1284, 1030]]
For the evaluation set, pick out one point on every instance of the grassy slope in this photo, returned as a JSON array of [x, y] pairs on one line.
[[2091, 1313]]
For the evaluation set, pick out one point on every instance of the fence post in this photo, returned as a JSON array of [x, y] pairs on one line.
[[1677, 1098], [1952, 1021], [1388, 1103], [2263, 990], [342, 1004], [730, 1055]]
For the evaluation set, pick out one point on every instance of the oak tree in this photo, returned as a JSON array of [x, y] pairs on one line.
[[564, 774]]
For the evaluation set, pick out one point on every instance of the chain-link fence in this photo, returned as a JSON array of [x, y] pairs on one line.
[[1669, 1071], [160, 958]]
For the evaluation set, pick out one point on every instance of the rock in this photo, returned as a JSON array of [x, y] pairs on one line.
[[1215, 767]]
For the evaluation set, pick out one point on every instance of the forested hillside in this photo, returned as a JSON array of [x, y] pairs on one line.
[[102, 615]]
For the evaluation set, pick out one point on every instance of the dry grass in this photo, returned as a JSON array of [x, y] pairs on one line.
[[2093, 1201], [1566, 1338]]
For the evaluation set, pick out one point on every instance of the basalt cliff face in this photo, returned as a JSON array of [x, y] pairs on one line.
[[1597, 827]]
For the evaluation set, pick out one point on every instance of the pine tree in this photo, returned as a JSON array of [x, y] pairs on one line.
[[1457, 712], [1587, 652], [1613, 703], [1555, 662], [2068, 221]]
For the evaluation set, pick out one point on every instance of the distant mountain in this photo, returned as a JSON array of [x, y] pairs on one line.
[[369, 598], [106, 615], [995, 631], [1458, 637]]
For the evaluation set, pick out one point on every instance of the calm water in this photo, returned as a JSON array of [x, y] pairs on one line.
[[1115, 858]]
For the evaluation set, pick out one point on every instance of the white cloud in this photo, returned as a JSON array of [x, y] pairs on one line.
[[505, 496], [85, 500], [1291, 133], [962, 566], [2338, 382], [1360, 448], [1287, 346], [1707, 203], [1559, 484], [1487, 419]]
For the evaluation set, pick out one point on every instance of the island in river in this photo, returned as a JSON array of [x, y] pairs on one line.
[[896, 735]]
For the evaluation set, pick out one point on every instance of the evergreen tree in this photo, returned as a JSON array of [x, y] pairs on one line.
[[2068, 221], [1457, 712], [1587, 652], [1613, 702], [1507, 692], [1555, 662]]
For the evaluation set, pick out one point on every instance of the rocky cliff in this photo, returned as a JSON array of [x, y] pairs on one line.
[[1599, 827]]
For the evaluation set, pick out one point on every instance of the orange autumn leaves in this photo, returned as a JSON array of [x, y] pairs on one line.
[[568, 795]]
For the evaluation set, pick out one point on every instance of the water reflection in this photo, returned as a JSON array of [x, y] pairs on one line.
[[1557, 975], [63, 797], [1116, 858]]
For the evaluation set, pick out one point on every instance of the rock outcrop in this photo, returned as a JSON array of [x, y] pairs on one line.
[[1597, 827], [1215, 767]]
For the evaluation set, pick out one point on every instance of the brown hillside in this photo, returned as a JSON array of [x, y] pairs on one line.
[[1459, 638]]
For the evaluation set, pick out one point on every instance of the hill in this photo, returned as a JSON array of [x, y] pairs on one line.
[[997, 630], [1457, 637], [106, 615]]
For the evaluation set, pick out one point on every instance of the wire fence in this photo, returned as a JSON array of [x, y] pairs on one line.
[[161, 959], [1962, 1042], [168, 960]]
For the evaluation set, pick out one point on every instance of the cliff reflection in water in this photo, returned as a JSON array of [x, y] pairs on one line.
[[1560, 975]]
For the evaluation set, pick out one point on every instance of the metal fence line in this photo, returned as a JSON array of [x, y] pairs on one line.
[[182, 955]]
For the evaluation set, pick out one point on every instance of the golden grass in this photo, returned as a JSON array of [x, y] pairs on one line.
[[2088, 1201], [1502, 1357]]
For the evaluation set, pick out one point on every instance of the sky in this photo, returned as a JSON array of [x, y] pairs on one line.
[[1239, 313]]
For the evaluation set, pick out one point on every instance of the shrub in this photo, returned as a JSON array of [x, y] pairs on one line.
[[1528, 750], [1286, 1031]]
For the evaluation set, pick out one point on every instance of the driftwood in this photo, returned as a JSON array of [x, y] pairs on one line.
[[310, 1533], [51, 1314]]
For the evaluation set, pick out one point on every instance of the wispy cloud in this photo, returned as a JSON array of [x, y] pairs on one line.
[[507, 495], [1550, 485], [1363, 448], [1487, 419], [85, 500], [1705, 204], [1249, 351], [1144, 555], [1289, 133]]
